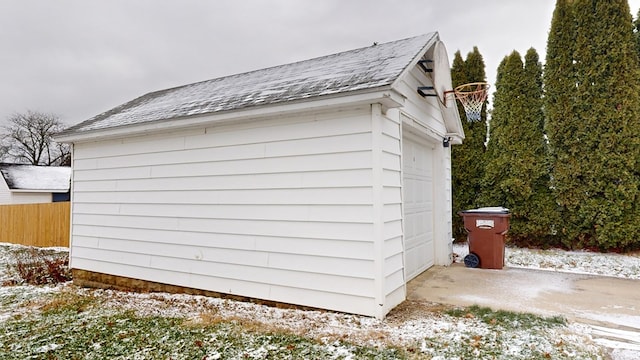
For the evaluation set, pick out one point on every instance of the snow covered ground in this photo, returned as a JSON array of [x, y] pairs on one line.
[[424, 327], [581, 262]]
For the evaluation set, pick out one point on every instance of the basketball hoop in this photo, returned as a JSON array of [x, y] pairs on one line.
[[472, 96]]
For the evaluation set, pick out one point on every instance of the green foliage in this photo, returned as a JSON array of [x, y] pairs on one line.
[[636, 29], [124, 335], [592, 85], [516, 174], [467, 159], [490, 344], [79, 324]]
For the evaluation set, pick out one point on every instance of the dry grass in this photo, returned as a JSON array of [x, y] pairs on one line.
[[68, 300], [35, 266]]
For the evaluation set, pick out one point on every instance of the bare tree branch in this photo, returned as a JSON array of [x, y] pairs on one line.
[[28, 139]]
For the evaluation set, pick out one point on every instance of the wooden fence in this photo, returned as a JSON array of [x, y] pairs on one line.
[[41, 225]]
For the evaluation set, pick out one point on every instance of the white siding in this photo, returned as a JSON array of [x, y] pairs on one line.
[[279, 210], [30, 198], [424, 111], [8, 197], [5, 194], [422, 117]]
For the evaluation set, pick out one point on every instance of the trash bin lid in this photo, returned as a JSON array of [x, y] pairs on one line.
[[490, 209]]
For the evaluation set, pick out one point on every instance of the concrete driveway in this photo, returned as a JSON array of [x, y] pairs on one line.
[[611, 306]]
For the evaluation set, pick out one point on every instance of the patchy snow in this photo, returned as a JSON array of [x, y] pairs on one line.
[[624, 354], [619, 319], [366, 68], [420, 325], [8, 255], [625, 342], [579, 262], [632, 337], [12, 298], [41, 178]]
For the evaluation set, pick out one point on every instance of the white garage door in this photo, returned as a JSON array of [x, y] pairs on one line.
[[418, 207]]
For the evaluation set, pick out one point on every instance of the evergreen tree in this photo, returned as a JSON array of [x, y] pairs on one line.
[[559, 87], [516, 170], [636, 29], [592, 84], [467, 159]]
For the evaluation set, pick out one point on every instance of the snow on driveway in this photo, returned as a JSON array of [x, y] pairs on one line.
[[623, 334]]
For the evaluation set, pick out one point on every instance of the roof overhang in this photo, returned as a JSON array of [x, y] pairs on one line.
[[448, 109], [386, 96], [453, 123], [38, 190]]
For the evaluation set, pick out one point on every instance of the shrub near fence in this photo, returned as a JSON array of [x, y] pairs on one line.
[[41, 225]]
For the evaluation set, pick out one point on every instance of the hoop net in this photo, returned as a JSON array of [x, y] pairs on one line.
[[472, 96]]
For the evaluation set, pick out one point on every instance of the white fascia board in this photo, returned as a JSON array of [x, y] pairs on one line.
[[387, 97], [455, 138], [38, 191], [452, 121]]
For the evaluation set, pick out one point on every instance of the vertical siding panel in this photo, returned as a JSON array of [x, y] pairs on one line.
[[444, 245]]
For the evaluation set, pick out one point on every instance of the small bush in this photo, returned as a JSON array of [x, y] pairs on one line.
[[39, 267]]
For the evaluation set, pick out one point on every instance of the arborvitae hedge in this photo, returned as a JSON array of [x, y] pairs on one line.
[[516, 173], [467, 159], [636, 29], [592, 90]]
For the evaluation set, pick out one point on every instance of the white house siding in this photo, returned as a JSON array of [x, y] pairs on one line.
[[8, 197], [280, 210], [425, 111], [5, 194], [422, 119], [30, 198]]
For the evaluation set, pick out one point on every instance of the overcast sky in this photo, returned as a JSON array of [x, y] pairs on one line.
[[78, 58]]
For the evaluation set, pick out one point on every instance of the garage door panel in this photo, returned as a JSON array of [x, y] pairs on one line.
[[418, 207]]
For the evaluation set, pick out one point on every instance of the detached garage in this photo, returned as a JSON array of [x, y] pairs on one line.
[[323, 183]]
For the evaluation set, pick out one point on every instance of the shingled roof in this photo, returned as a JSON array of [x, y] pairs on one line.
[[36, 178], [369, 68]]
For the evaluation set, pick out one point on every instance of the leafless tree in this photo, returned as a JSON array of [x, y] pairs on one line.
[[28, 139]]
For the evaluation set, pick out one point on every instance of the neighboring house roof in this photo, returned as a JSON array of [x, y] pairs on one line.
[[21, 177], [366, 69]]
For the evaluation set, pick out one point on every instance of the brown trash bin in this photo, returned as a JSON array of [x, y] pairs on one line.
[[486, 228]]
